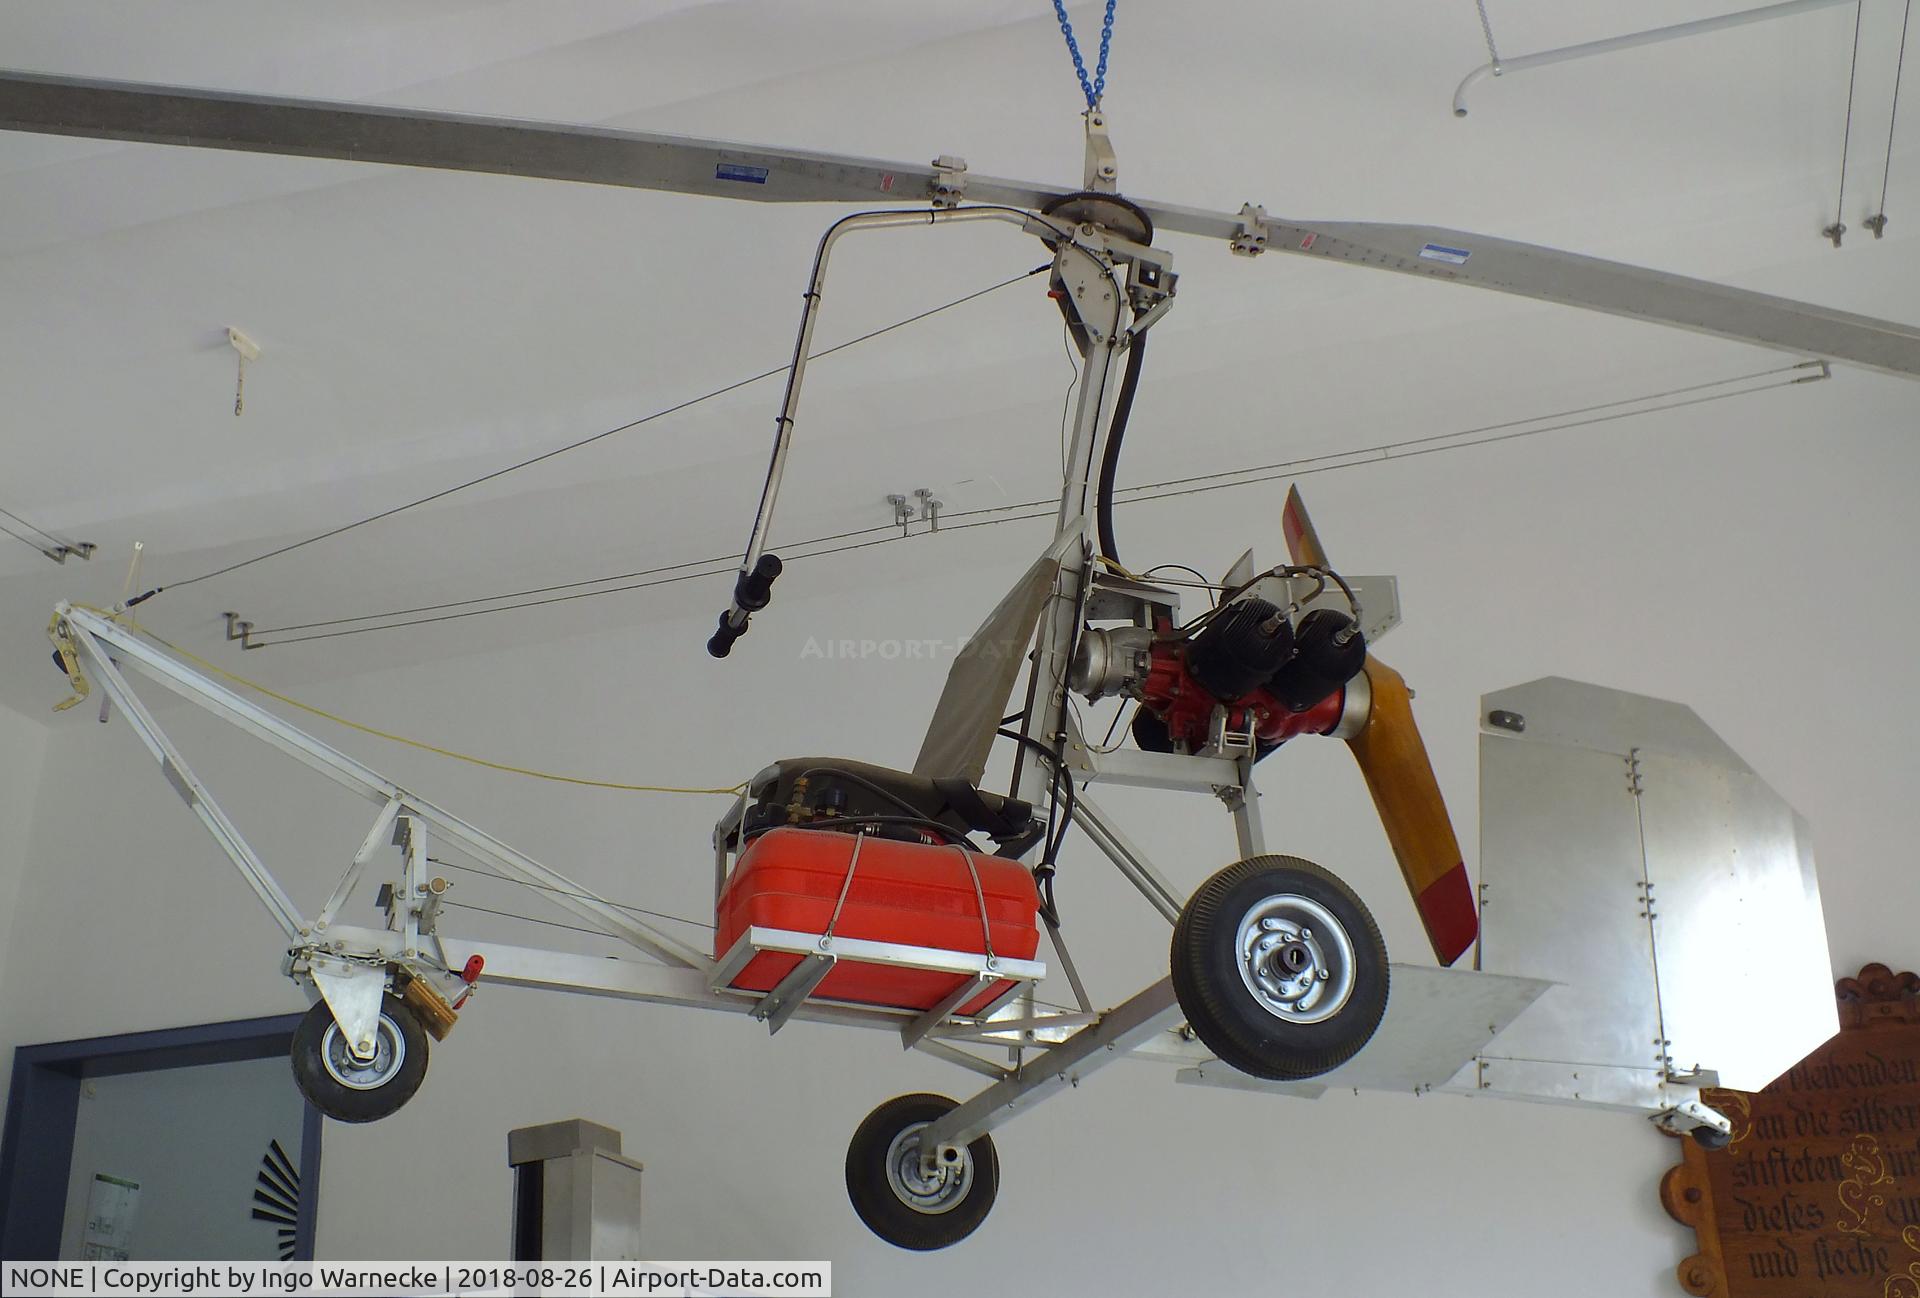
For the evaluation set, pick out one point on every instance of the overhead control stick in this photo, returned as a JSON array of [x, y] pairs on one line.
[[751, 593]]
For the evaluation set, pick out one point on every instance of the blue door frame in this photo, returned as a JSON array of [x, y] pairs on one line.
[[36, 1150]]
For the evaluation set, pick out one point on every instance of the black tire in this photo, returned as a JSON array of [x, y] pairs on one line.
[[876, 1189], [383, 1087], [1324, 1027]]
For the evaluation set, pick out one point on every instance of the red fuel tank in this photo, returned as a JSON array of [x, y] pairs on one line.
[[916, 894]]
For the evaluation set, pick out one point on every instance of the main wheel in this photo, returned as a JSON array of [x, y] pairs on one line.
[[1280, 968], [900, 1200], [344, 1086]]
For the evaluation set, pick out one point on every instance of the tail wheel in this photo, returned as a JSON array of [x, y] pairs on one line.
[[1280, 968], [1711, 1138], [346, 1086], [902, 1200]]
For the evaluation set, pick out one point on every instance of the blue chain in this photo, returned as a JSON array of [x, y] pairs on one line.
[[1098, 85]]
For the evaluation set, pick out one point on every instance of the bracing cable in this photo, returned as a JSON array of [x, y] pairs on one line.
[[565, 892], [24, 540], [436, 749], [1893, 115], [59, 542], [584, 441], [1226, 479], [1846, 136]]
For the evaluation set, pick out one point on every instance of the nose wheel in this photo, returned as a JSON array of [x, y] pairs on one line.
[[351, 1086], [1280, 968], [911, 1201]]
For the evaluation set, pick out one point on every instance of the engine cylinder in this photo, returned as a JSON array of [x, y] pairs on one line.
[[1329, 651], [1241, 649]]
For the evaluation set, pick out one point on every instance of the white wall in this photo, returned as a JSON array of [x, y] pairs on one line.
[[1721, 563], [22, 751]]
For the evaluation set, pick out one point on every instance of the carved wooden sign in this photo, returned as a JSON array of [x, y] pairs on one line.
[[1818, 1194]]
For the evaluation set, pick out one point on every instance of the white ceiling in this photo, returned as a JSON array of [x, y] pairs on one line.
[[420, 328]]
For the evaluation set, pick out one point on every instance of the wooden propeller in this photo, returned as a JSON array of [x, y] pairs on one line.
[[1393, 760]]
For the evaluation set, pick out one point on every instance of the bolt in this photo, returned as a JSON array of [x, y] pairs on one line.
[[1306, 935]]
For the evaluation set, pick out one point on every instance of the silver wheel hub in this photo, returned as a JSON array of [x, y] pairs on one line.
[[371, 1073], [1295, 958], [923, 1189]]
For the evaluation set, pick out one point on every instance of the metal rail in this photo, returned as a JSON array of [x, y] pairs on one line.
[[1634, 40]]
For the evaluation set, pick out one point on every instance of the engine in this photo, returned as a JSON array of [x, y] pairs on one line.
[[1247, 675]]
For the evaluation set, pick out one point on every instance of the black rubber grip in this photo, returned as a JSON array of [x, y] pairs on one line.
[[720, 644], [752, 591]]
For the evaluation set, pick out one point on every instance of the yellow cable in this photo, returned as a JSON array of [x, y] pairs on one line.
[[204, 665]]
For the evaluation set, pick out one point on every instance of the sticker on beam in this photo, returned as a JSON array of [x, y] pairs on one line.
[[734, 171], [1440, 252]]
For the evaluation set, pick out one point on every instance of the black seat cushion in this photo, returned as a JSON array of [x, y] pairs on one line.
[[836, 788]]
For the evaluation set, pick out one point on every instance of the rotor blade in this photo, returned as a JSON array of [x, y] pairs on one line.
[[1393, 760], [160, 114], [408, 137], [1613, 288]]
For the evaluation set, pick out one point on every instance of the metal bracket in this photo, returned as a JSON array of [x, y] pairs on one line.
[[902, 511], [59, 553], [352, 992], [1103, 165], [1250, 236], [239, 630], [921, 506], [69, 655], [1835, 232], [778, 1005], [1877, 223], [1089, 285], [949, 184], [1222, 742], [915, 1029], [1688, 1114]]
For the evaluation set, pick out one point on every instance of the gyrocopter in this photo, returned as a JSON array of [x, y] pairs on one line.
[[915, 901]]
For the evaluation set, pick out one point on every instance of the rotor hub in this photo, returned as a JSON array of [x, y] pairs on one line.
[[1109, 211]]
